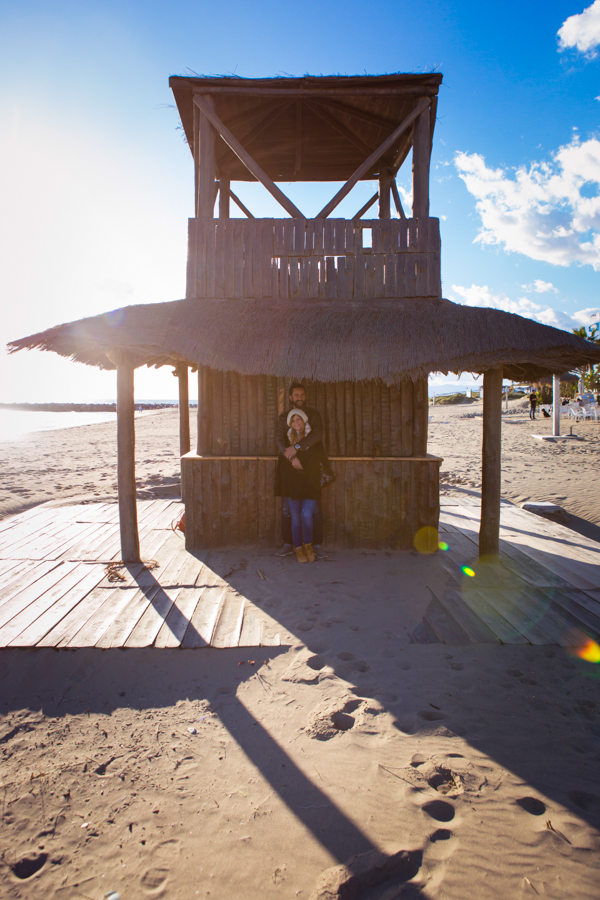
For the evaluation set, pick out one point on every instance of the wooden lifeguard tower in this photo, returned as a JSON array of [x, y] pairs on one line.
[[351, 307], [327, 129]]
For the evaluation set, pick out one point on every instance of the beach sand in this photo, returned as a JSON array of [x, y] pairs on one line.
[[347, 763]]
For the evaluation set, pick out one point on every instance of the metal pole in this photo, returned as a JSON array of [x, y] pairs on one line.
[[556, 405]]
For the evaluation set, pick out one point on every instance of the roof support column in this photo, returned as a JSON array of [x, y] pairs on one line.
[[205, 166], [491, 468], [224, 195], [385, 187], [421, 159], [204, 442], [130, 542], [184, 409]]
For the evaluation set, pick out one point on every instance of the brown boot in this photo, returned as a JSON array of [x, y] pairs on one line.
[[310, 553], [300, 554]]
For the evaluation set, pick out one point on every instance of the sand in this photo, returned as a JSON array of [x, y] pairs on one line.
[[346, 763]]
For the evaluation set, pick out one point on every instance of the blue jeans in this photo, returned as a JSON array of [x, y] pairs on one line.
[[301, 512]]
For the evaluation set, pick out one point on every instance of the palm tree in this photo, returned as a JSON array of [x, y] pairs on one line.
[[589, 375]]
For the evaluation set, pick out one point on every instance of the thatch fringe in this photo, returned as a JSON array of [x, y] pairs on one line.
[[393, 341]]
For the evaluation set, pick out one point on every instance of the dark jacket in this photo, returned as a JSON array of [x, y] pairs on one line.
[[316, 431], [305, 483]]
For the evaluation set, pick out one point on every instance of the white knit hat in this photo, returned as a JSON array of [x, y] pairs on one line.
[[297, 412]]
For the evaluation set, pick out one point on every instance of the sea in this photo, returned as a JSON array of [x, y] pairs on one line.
[[18, 423]]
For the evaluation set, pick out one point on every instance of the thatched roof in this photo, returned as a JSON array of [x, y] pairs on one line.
[[329, 341], [310, 128]]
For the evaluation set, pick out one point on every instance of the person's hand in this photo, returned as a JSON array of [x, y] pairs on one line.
[[290, 453], [296, 463]]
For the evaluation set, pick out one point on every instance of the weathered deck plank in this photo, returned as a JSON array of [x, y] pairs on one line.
[[54, 591]]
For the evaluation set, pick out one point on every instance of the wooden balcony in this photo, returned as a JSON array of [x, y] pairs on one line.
[[323, 259]]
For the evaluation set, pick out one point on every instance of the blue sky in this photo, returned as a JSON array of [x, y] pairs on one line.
[[96, 181]]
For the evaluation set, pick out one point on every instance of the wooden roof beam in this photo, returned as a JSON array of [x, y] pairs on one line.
[[252, 166], [252, 115], [257, 128], [355, 112], [337, 126], [409, 90], [373, 158]]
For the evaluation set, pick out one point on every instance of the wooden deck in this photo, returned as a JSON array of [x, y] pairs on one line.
[[544, 590], [55, 591]]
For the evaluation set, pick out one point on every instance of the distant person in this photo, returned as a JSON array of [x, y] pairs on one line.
[[299, 480], [532, 404]]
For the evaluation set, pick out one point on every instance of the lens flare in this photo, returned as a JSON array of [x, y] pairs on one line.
[[467, 571], [426, 539], [590, 652], [443, 545]]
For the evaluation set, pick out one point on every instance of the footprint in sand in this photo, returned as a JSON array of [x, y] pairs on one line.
[[431, 715], [439, 810], [514, 672], [154, 880], [330, 718], [458, 667], [588, 802], [532, 805], [442, 834], [316, 662], [28, 866], [356, 665]]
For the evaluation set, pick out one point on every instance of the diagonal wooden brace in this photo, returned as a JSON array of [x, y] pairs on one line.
[[245, 157], [377, 154]]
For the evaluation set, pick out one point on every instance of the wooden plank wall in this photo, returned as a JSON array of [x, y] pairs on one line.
[[313, 258], [372, 503], [360, 419]]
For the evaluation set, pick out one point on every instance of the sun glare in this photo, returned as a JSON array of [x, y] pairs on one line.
[[590, 652]]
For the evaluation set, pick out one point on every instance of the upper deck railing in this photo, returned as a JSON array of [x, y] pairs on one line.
[[313, 258]]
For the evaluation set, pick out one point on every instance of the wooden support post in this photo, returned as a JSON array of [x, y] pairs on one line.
[[421, 158], [184, 409], [205, 161], [224, 195], [130, 542], [556, 405], [204, 440], [491, 468], [385, 186]]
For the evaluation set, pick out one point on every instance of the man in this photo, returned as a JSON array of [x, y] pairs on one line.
[[532, 404], [297, 398]]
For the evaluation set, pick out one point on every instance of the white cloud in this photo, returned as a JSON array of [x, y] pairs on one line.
[[541, 212], [481, 295], [581, 31], [539, 287]]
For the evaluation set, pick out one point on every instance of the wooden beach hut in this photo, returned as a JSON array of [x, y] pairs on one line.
[[351, 307]]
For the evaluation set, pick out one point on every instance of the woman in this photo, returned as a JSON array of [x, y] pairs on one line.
[[300, 480]]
